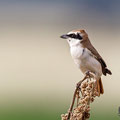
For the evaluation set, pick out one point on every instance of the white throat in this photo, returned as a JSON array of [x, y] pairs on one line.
[[73, 42]]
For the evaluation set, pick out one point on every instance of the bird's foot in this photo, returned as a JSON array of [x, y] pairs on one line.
[[89, 74]]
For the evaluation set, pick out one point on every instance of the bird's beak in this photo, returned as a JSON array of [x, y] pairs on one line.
[[64, 36]]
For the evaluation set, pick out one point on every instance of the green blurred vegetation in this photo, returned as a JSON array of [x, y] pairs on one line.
[[50, 113]]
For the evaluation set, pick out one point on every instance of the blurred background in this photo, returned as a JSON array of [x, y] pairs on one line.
[[37, 73]]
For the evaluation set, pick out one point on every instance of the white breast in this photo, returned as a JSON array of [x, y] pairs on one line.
[[76, 52], [85, 61]]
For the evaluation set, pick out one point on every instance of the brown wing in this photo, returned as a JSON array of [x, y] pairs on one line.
[[87, 44]]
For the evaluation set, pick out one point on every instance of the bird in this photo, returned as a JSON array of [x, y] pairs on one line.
[[86, 57]]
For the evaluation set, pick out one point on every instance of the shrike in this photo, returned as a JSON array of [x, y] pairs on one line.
[[86, 56]]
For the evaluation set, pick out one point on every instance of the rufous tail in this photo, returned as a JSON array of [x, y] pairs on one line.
[[100, 89]]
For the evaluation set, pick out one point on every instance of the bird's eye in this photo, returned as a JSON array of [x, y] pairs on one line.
[[78, 35], [72, 35], [75, 36]]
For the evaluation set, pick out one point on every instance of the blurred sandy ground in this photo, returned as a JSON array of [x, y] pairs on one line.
[[35, 64]]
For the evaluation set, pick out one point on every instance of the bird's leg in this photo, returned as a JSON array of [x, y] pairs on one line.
[[74, 96], [90, 75], [79, 83]]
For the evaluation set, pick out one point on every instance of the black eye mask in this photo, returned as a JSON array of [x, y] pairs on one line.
[[75, 36]]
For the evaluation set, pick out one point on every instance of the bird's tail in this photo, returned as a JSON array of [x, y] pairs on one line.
[[108, 71], [99, 86]]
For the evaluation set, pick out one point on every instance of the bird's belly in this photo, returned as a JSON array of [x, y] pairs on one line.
[[87, 62]]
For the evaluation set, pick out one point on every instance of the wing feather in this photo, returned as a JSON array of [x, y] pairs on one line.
[[87, 44]]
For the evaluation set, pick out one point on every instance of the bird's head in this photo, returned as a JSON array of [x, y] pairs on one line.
[[75, 37]]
